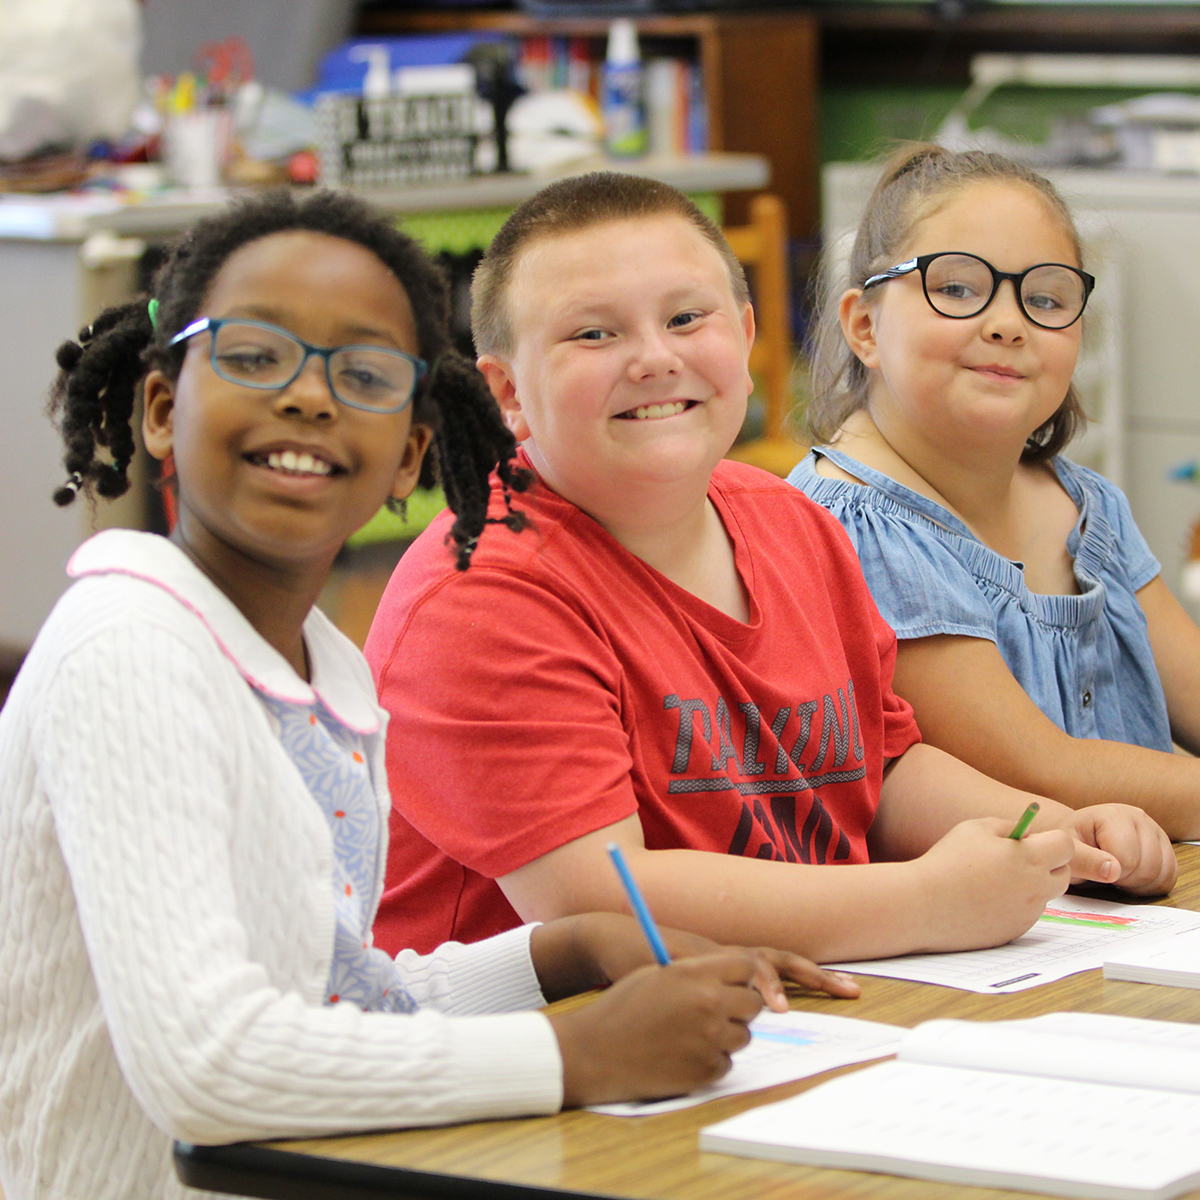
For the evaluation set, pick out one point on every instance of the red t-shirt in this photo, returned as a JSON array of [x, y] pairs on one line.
[[560, 684]]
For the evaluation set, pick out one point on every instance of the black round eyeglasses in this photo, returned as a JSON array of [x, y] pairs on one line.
[[958, 285]]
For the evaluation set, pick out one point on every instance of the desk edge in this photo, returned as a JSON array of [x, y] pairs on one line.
[[271, 1174]]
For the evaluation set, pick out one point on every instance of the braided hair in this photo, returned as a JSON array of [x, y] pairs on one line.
[[93, 398]]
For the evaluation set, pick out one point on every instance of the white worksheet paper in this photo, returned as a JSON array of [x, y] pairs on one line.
[[783, 1047], [1073, 934]]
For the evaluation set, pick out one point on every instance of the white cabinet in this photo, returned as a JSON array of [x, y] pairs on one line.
[[46, 293]]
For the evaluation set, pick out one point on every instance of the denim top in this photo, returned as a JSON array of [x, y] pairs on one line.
[[1084, 659]]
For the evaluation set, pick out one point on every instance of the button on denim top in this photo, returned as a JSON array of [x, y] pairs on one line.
[[1085, 660]]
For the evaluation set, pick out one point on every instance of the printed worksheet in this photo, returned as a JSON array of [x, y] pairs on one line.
[[783, 1047], [1073, 934]]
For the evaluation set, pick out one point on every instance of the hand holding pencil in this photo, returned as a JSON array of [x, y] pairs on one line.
[[665, 1028], [773, 966]]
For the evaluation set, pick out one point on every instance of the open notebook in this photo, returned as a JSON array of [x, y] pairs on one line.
[[1073, 1104]]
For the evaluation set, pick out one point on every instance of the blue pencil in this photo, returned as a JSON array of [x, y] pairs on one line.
[[645, 920]]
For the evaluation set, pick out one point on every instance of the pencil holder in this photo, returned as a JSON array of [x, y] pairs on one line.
[[196, 146], [396, 140]]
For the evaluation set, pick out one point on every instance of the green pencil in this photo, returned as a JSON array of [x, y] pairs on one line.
[[1019, 829]]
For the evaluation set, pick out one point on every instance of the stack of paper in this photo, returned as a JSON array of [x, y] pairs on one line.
[[1173, 959]]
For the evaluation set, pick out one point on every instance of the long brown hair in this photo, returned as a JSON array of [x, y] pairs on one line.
[[914, 183]]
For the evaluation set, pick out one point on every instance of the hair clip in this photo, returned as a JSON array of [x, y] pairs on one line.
[[85, 335], [74, 483], [152, 309]]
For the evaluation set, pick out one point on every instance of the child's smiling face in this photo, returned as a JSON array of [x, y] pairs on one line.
[[987, 380], [629, 362], [240, 490]]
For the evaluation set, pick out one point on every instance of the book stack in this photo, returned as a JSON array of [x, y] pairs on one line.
[[676, 112]]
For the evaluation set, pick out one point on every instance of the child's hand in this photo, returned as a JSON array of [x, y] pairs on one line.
[[596, 949], [772, 967], [659, 1032], [1145, 857], [983, 888]]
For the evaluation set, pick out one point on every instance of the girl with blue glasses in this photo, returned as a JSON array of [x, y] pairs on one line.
[[193, 799]]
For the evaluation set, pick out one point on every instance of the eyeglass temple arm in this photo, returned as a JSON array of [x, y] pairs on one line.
[[895, 272], [198, 326]]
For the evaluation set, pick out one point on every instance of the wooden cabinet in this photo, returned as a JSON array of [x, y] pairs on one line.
[[760, 73]]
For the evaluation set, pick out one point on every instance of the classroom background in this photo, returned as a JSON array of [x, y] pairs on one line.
[[130, 118]]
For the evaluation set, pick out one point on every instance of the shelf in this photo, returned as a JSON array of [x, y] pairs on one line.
[[760, 78], [866, 44], [1083, 21]]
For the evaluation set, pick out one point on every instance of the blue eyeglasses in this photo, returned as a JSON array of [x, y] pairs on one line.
[[957, 285], [257, 355]]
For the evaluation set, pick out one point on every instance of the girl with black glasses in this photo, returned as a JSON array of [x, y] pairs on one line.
[[1038, 641]]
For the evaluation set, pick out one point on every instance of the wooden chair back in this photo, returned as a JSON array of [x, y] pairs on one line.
[[762, 246]]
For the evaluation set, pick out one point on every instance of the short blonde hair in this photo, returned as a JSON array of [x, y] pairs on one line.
[[915, 182], [568, 206]]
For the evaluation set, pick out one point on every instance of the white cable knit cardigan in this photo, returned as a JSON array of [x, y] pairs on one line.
[[168, 919]]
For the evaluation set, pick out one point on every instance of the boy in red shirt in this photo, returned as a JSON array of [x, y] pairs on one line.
[[672, 652]]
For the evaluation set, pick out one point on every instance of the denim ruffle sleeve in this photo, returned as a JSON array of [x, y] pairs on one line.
[[1139, 563], [1084, 658], [917, 577]]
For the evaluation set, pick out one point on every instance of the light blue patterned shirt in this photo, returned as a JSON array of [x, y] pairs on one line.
[[331, 762], [1084, 660]]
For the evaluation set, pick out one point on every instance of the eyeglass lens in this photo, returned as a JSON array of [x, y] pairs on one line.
[[959, 285], [358, 375]]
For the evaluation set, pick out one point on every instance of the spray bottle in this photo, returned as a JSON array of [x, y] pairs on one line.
[[377, 87], [623, 96]]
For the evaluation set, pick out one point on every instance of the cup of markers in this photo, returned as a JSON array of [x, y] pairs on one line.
[[198, 111], [196, 146]]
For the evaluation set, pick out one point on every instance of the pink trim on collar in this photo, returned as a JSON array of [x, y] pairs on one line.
[[305, 694]]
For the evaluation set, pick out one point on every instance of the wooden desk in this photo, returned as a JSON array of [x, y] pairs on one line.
[[581, 1154]]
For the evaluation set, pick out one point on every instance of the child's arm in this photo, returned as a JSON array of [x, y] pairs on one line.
[[660, 1030], [593, 950], [963, 883], [967, 701], [975, 888], [926, 791]]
